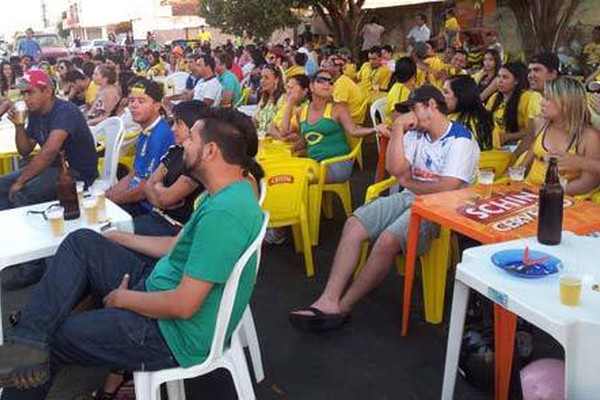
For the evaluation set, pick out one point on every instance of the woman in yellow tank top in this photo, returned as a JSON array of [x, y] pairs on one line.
[[564, 128]]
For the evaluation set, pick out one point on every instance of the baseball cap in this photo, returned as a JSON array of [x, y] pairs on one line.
[[32, 78], [422, 95], [547, 59], [151, 88]]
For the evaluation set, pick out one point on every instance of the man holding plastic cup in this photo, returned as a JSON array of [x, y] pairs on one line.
[[53, 125]]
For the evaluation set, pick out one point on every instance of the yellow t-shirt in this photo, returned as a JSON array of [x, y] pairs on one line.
[[350, 71], [437, 66], [372, 82], [528, 107], [346, 91], [397, 94], [205, 36], [451, 24], [592, 53], [90, 93]]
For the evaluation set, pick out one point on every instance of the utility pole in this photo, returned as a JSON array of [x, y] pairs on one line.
[[44, 14]]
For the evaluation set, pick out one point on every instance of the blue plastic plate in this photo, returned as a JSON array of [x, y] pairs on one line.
[[512, 262]]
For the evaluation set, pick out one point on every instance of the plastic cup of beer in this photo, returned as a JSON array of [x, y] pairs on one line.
[[100, 194], [56, 217], [516, 174], [21, 112], [486, 178], [90, 209], [80, 185], [570, 289]]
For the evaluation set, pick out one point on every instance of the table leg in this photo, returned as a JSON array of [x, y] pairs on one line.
[[380, 171], [411, 257], [460, 301], [581, 359], [504, 345], [1, 327]]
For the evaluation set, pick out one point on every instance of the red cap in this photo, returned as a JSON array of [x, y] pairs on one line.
[[33, 78]]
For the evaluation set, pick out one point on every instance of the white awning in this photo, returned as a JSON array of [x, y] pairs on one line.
[[369, 4]]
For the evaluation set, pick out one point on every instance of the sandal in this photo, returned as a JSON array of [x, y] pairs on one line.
[[125, 389], [319, 321]]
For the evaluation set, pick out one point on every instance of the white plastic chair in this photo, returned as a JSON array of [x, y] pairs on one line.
[[147, 384], [110, 132], [177, 81], [377, 112]]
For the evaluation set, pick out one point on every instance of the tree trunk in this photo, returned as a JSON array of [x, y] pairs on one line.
[[542, 22], [344, 18]]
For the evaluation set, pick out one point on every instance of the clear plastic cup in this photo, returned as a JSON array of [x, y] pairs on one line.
[[516, 175], [21, 112], [570, 289], [90, 209], [56, 217], [80, 186], [100, 194], [486, 178]]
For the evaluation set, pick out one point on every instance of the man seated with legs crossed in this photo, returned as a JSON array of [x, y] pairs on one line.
[[152, 318], [427, 154]]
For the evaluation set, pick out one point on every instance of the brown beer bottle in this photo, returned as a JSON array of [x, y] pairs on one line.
[[66, 190], [550, 213]]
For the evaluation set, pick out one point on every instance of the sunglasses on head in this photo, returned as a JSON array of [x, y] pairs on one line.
[[323, 79]]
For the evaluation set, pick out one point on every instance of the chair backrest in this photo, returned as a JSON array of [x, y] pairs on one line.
[[230, 291], [377, 111], [496, 160], [177, 81], [110, 132], [262, 189], [286, 180]]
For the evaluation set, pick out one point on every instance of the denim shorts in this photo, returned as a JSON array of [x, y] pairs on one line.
[[339, 172], [392, 214]]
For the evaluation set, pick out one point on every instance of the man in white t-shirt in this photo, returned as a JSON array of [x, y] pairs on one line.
[[420, 32], [371, 34], [427, 154], [208, 89]]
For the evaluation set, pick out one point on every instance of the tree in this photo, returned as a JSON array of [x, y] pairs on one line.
[[542, 22], [250, 18], [344, 18]]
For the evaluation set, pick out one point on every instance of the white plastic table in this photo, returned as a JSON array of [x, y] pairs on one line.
[[577, 329], [26, 237]]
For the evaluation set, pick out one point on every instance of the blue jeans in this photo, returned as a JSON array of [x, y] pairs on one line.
[[40, 189], [153, 224], [87, 263]]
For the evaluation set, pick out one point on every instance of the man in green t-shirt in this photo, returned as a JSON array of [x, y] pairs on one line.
[[232, 89], [152, 318]]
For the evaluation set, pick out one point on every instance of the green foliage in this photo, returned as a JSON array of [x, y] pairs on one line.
[[250, 18]]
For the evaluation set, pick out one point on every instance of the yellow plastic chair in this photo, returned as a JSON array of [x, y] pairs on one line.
[[245, 96], [496, 160], [287, 201], [434, 263], [321, 193]]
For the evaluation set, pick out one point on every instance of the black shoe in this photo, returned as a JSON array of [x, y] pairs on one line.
[[24, 275], [23, 366]]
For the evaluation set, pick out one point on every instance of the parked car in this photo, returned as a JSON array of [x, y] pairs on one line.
[[92, 45], [51, 44]]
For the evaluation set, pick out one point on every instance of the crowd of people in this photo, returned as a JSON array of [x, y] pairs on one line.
[[160, 287]]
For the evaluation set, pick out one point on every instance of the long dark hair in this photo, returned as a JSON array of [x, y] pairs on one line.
[[511, 114], [279, 89], [470, 108], [494, 53], [4, 83]]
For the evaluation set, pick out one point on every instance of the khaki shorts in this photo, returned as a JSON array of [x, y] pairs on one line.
[[392, 214]]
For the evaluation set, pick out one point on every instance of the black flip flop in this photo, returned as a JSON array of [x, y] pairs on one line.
[[318, 322]]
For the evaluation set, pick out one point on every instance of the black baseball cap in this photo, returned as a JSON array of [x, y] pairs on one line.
[[422, 95], [547, 59], [145, 86]]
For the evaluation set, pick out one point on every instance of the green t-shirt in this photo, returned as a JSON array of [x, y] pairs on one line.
[[219, 231], [230, 82]]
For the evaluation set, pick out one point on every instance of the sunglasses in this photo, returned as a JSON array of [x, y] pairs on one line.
[[323, 79]]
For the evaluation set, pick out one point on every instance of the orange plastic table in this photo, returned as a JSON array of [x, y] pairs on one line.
[[510, 213]]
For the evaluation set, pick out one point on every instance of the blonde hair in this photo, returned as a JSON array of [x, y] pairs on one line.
[[570, 96]]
